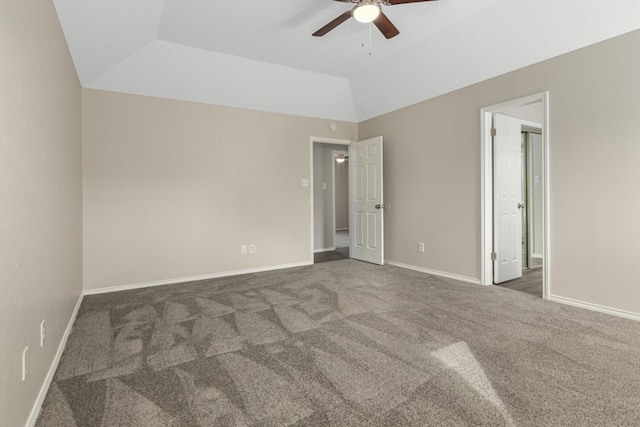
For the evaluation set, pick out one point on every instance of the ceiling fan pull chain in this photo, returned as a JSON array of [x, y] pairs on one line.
[[370, 47]]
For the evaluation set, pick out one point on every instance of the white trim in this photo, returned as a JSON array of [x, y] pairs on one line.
[[434, 272], [319, 140], [486, 190], [486, 198], [37, 406], [192, 278], [323, 140], [333, 248], [595, 307], [546, 215]]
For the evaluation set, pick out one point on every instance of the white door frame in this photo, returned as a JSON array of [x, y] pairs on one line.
[[486, 191], [319, 140]]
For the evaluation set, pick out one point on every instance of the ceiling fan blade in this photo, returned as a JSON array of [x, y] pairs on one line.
[[392, 2], [385, 26], [331, 25]]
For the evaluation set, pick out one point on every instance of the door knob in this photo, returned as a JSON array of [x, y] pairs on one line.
[[379, 206], [520, 205]]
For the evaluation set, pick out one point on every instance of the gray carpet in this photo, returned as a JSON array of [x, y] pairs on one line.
[[345, 344]]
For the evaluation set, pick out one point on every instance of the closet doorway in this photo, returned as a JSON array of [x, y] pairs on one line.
[[515, 232]]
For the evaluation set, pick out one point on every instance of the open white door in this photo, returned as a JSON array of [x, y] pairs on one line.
[[365, 201], [507, 199]]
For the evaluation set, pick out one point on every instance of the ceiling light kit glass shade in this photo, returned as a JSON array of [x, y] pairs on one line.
[[366, 12]]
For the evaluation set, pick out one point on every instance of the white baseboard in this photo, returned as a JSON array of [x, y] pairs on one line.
[[595, 307], [435, 272], [554, 298], [37, 406], [192, 278], [332, 248]]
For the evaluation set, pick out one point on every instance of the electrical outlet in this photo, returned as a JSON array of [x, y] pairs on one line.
[[243, 249], [252, 248], [25, 363], [420, 247], [42, 334]]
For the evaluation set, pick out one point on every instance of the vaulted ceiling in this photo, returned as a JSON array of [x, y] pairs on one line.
[[259, 54]]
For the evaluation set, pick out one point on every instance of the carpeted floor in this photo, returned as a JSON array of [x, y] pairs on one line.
[[347, 344]]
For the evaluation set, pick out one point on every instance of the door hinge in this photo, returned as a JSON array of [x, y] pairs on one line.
[[493, 131], [494, 256]]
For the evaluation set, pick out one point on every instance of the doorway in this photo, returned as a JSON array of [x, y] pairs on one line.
[[528, 139], [328, 191], [366, 205], [531, 244]]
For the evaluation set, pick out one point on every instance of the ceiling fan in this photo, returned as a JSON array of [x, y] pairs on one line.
[[367, 11]]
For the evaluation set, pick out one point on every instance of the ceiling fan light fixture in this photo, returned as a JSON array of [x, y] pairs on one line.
[[366, 12]]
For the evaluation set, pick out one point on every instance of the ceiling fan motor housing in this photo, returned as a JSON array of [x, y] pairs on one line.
[[368, 11]]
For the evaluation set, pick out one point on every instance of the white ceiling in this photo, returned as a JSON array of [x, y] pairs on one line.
[[261, 55]]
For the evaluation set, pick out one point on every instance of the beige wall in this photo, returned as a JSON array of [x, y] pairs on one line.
[[172, 189], [432, 172], [40, 197]]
